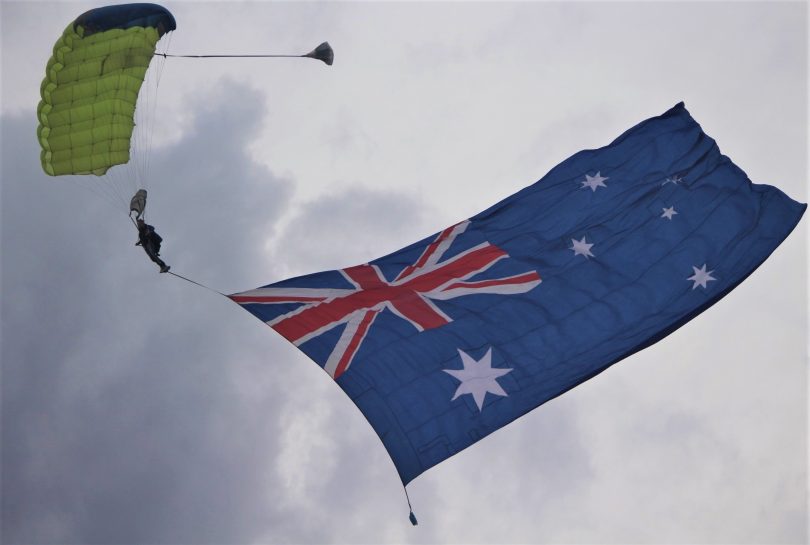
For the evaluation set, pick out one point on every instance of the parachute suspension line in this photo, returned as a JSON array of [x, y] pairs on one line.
[[134, 167], [115, 180], [101, 191], [122, 178], [148, 123], [104, 187], [144, 127], [139, 149], [119, 192], [158, 74], [138, 171], [136, 146], [112, 185]]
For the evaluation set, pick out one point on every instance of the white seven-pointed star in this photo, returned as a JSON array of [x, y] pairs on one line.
[[674, 180], [478, 377], [701, 277], [594, 181], [668, 212], [581, 247]]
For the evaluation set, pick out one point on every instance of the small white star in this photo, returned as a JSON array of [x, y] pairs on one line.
[[581, 247], [673, 180], [594, 181], [668, 212], [477, 378], [701, 277]]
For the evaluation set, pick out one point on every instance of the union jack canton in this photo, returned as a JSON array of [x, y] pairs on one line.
[[410, 296]]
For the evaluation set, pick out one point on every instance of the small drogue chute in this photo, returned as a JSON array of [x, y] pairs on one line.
[[323, 53]]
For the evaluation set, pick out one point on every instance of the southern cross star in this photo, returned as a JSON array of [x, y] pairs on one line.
[[477, 377], [581, 247], [669, 212], [701, 277], [594, 181]]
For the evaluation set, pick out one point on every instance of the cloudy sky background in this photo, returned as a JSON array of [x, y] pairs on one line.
[[137, 408]]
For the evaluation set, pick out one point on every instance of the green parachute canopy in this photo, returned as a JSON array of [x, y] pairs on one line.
[[91, 86]]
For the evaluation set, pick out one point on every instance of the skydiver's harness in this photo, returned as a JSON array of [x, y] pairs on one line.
[[150, 241], [147, 236]]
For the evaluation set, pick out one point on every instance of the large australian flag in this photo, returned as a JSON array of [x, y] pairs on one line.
[[443, 342]]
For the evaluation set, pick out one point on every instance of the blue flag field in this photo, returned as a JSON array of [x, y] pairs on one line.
[[443, 342]]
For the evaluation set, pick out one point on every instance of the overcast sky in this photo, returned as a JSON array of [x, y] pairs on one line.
[[138, 408]]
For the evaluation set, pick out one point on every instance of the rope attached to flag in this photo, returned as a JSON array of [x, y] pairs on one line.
[[198, 284]]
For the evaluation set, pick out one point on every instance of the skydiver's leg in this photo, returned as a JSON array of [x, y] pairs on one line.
[[150, 251]]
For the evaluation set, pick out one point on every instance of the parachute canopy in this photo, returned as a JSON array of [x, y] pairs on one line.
[[91, 85]]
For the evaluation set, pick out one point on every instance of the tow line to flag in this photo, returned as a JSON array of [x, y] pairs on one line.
[[197, 283]]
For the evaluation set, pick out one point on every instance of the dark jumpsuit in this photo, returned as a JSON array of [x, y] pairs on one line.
[[150, 240]]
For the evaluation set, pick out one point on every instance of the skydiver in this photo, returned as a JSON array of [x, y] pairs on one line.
[[150, 240]]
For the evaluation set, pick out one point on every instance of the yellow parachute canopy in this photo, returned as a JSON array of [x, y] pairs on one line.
[[91, 86]]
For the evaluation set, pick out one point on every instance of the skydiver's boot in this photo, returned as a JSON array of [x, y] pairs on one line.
[[160, 263]]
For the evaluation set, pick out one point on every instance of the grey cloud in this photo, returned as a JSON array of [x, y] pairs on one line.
[[223, 203], [352, 225], [121, 419]]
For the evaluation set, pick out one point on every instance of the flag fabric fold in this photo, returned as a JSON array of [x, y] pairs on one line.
[[443, 342]]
